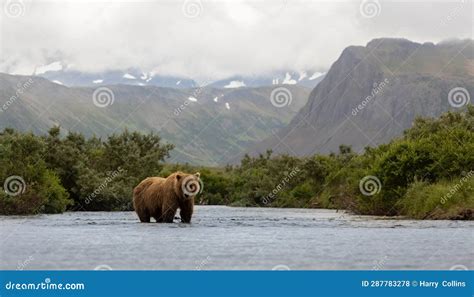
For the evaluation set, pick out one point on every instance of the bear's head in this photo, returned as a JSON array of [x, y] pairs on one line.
[[187, 186]]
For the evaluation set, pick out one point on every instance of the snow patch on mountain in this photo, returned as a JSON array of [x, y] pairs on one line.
[[129, 76], [288, 80], [316, 75], [235, 84], [303, 75]]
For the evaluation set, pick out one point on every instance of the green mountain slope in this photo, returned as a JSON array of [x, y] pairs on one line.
[[209, 129]]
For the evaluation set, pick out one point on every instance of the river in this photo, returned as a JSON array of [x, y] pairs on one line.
[[222, 237]]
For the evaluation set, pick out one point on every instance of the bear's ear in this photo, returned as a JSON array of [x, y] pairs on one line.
[[178, 177], [197, 174]]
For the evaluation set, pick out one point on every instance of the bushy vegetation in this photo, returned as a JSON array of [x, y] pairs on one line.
[[428, 161], [426, 173], [59, 172], [29, 185]]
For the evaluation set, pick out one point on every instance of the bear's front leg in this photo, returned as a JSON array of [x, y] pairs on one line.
[[186, 210]]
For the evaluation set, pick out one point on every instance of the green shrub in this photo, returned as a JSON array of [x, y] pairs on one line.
[[442, 200], [29, 187]]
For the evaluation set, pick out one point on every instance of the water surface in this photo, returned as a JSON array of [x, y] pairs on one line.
[[234, 238]]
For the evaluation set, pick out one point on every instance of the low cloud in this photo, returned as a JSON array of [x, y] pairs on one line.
[[212, 39]]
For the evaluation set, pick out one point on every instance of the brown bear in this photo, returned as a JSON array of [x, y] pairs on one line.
[[160, 197]]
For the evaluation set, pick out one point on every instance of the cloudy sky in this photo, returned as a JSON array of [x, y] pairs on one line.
[[212, 39]]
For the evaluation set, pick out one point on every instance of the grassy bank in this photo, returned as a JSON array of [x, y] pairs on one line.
[[425, 174]]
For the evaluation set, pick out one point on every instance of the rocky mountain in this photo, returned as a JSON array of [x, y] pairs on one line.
[[208, 126], [374, 92]]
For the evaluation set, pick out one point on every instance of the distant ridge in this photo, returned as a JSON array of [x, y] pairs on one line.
[[372, 93]]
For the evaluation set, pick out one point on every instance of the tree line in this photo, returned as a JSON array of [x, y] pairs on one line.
[[425, 173]]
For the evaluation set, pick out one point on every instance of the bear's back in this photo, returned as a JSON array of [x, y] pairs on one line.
[[154, 191]]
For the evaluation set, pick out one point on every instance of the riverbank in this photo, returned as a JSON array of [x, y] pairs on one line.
[[428, 173]]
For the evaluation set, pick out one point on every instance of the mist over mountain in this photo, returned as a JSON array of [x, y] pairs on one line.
[[369, 96], [308, 79], [60, 73]]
